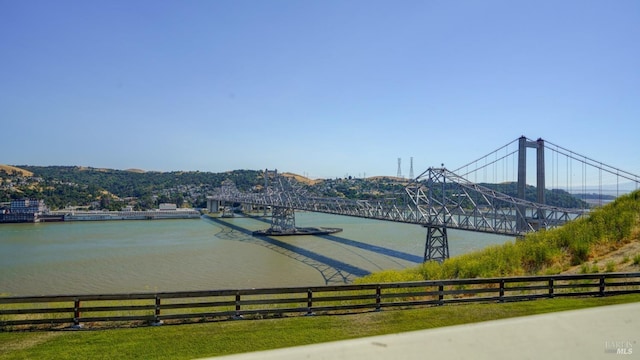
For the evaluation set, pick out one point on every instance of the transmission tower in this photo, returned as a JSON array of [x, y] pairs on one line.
[[411, 168], [399, 167]]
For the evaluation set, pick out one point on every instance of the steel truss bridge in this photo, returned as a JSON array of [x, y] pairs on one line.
[[438, 199]]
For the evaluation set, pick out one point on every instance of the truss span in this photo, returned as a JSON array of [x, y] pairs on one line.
[[436, 198]]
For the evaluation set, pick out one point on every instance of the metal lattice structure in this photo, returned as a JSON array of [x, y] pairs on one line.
[[438, 199], [442, 198]]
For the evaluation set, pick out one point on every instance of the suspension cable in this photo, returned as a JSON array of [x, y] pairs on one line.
[[482, 157], [610, 169]]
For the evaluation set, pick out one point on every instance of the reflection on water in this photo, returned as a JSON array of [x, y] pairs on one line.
[[171, 255]]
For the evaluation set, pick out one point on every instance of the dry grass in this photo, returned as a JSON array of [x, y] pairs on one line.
[[622, 257], [302, 179], [14, 170]]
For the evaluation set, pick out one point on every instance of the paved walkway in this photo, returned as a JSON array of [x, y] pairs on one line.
[[606, 332]]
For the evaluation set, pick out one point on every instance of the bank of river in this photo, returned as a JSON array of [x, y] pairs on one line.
[[172, 255]]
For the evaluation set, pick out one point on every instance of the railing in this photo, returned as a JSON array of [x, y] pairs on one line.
[[46, 312]]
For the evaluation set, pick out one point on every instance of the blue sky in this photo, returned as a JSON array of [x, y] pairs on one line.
[[322, 88]]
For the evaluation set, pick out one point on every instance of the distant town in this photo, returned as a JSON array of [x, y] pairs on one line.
[[35, 210]]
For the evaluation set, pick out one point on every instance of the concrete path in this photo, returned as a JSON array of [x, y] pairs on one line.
[[607, 332]]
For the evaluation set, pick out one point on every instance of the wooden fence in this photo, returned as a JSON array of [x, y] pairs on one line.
[[75, 311]]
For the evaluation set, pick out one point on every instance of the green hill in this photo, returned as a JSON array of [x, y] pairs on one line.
[[61, 186]]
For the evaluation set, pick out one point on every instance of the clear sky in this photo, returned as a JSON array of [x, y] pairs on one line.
[[323, 88]]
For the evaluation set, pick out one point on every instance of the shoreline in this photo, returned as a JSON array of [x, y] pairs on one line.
[[67, 216]]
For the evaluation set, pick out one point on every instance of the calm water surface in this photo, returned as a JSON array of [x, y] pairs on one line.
[[172, 255]]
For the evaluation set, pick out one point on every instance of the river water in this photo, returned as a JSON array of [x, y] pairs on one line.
[[204, 254]]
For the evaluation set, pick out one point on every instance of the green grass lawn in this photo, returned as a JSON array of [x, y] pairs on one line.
[[228, 337]]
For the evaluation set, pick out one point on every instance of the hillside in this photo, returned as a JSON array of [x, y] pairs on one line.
[[102, 188], [15, 170], [605, 241], [622, 259], [390, 178], [301, 179], [99, 188]]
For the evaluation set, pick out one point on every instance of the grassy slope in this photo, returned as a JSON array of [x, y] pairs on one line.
[[14, 170], [585, 245], [212, 339]]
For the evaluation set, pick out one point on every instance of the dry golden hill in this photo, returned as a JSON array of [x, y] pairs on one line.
[[302, 179], [15, 170]]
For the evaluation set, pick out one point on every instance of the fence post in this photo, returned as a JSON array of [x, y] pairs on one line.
[[602, 285], [238, 316], [551, 289], [440, 294], [378, 296], [156, 316], [76, 314], [501, 290], [309, 303]]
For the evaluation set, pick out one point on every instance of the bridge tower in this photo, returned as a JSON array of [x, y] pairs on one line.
[[523, 144], [411, 168], [437, 244]]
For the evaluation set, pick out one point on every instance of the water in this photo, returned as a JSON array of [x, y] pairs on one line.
[[173, 255]]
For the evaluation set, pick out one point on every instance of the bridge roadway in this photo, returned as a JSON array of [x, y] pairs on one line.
[[463, 205]]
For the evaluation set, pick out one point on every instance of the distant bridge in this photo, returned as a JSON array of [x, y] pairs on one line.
[[440, 199]]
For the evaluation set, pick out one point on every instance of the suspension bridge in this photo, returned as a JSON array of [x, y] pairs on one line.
[[479, 196]]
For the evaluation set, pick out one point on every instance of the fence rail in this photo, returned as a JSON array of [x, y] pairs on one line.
[[155, 308]]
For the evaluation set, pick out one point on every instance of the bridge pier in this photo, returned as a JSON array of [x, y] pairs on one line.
[[283, 219], [213, 205], [437, 244], [227, 211]]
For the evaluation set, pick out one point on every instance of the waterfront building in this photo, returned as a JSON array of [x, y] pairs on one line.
[[24, 210], [27, 206], [164, 207]]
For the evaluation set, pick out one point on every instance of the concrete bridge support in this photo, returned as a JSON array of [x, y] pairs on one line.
[[213, 205], [227, 209]]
